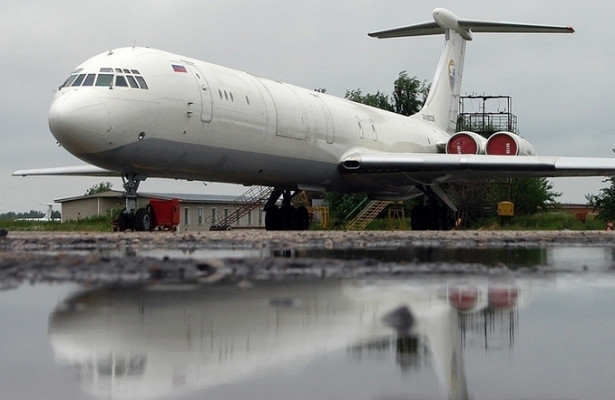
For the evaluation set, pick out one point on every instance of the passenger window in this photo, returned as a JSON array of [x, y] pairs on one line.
[[120, 81], [68, 81], [104, 80], [141, 81], [77, 82], [89, 80], [132, 82]]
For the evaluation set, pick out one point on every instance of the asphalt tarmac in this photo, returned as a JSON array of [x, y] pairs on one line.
[[141, 257]]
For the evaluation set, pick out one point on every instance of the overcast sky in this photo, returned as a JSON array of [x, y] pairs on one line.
[[560, 84]]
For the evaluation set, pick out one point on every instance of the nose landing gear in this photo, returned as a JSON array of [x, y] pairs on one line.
[[130, 217]]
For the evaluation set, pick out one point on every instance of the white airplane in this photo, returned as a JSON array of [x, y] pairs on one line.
[[140, 112], [46, 218]]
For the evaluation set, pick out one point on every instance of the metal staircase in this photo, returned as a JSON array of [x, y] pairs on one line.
[[367, 215], [254, 197]]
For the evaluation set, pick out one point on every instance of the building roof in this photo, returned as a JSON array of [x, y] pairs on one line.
[[184, 197]]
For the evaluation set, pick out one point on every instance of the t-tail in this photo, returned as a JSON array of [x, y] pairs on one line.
[[442, 104]]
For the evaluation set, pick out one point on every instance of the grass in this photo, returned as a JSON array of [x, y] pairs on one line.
[[544, 221], [91, 224], [555, 221], [552, 221]]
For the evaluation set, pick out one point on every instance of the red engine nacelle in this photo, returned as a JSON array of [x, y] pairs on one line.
[[508, 144], [466, 143]]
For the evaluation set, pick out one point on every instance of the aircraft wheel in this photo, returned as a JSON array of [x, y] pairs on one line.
[[287, 218], [302, 219], [273, 219], [125, 221], [143, 220], [419, 220]]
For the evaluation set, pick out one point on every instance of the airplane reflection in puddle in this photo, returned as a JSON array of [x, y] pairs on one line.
[[150, 341]]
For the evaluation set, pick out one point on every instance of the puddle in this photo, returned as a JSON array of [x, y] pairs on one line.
[[438, 336]]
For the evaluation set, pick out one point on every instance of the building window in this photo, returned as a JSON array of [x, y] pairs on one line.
[[186, 216], [213, 216], [199, 216]]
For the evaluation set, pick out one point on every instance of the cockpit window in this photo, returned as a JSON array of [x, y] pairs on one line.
[[68, 81], [133, 83], [123, 77], [104, 80], [120, 81], [89, 80], [141, 81], [80, 78]]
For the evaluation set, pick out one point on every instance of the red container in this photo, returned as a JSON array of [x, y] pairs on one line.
[[165, 213]]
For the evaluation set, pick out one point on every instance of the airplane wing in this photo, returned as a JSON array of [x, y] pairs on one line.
[[80, 170], [436, 168]]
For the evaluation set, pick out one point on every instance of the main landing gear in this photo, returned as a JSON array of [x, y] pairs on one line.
[[130, 217], [286, 217], [436, 213]]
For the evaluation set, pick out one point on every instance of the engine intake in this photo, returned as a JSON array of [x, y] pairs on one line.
[[508, 144], [466, 143]]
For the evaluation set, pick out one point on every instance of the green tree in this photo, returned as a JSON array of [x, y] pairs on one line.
[[99, 188], [378, 100], [409, 94], [604, 202], [342, 204], [530, 195]]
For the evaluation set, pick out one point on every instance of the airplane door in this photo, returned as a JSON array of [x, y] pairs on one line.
[[205, 92]]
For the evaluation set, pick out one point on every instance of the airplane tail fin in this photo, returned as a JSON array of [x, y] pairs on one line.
[[442, 104]]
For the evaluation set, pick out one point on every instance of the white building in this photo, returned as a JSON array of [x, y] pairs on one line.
[[198, 211]]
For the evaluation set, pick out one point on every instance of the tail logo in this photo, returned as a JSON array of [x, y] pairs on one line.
[[451, 74]]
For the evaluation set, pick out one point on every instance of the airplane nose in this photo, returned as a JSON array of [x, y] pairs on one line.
[[79, 121]]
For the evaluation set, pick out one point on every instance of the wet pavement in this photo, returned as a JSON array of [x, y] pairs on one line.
[[317, 315]]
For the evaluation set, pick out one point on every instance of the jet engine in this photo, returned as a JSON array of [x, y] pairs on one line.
[[465, 142], [508, 144]]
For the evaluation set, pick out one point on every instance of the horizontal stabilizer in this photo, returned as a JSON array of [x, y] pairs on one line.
[[80, 170], [445, 19]]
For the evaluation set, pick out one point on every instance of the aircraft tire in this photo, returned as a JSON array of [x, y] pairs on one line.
[[143, 220], [302, 219], [287, 218], [125, 221], [273, 219], [419, 220]]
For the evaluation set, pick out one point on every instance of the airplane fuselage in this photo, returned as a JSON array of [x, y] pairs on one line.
[[200, 121]]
